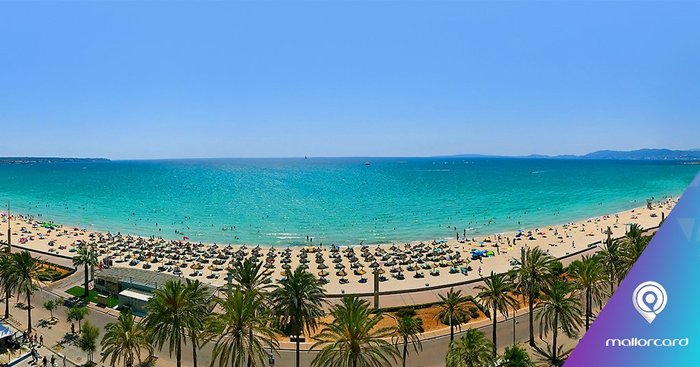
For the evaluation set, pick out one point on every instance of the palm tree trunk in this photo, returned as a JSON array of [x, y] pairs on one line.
[[7, 303], [297, 349], [495, 347], [405, 352], [178, 354], [87, 280], [554, 338], [530, 305], [452, 331], [250, 342], [589, 310], [29, 311], [194, 352]]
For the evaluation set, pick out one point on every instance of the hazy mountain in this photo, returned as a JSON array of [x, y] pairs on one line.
[[640, 154]]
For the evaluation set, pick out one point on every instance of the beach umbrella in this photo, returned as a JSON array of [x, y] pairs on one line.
[[341, 273], [322, 273]]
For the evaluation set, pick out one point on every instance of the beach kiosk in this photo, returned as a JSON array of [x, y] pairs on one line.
[[133, 287]]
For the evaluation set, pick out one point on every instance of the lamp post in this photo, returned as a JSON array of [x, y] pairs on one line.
[[514, 322]]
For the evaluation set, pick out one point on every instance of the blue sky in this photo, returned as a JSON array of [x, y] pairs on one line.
[[213, 79]]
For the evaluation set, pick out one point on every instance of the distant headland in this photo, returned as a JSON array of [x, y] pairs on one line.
[[29, 160], [640, 154], [688, 156]]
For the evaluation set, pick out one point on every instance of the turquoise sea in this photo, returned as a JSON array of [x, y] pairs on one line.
[[332, 200]]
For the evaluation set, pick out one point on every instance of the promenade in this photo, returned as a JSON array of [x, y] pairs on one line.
[[57, 342]]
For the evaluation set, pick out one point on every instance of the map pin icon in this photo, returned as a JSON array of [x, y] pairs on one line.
[[649, 299]]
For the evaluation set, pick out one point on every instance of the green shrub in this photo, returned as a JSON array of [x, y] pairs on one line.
[[464, 320], [406, 312], [473, 312], [49, 276]]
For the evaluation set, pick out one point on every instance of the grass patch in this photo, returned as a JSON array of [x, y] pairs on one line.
[[51, 272], [78, 291]]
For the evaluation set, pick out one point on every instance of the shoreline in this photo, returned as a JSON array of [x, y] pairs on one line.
[[439, 262], [470, 232]]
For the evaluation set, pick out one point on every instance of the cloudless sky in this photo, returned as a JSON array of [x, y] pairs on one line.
[[162, 79]]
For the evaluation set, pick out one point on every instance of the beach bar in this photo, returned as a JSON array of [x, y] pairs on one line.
[[133, 287]]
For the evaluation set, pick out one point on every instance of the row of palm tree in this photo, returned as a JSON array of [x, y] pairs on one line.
[[562, 301], [19, 272], [246, 319]]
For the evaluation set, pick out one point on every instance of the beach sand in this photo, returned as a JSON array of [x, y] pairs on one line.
[[558, 240]]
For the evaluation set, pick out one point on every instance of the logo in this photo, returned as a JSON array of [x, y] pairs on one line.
[[649, 300]]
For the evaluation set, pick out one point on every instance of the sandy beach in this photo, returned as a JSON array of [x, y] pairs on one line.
[[346, 269]]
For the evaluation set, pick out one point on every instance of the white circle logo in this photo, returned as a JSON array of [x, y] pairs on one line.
[[649, 299]]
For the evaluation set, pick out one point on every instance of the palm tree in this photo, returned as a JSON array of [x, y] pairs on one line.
[[516, 356], [51, 305], [88, 340], [250, 276], [77, 313], [353, 339], [496, 296], [452, 311], [242, 331], [298, 303], [471, 350], [87, 257], [634, 245], [124, 340], [535, 270], [25, 276], [7, 281], [635, 232], [198, 296], [611, 257], [407, 330], [559, 309], [170, 315], [588, 275]]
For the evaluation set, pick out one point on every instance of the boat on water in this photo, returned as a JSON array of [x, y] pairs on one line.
[[367, 163]]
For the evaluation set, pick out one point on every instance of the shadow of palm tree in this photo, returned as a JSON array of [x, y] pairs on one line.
[[547, 355]]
